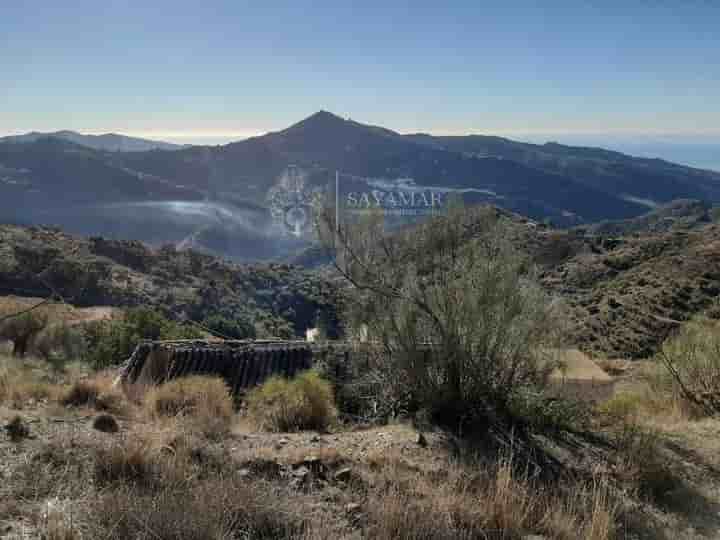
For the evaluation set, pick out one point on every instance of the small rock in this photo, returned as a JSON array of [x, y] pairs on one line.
[[315, 439], [106, 423], [243, 472], [17, 429], [300, 478], [280, 443], [301, 472], [351, 508], [421, 440], [343, 475], [311, 460], [266, 468]]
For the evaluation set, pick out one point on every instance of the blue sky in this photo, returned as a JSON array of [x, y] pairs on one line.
[[215, 71]]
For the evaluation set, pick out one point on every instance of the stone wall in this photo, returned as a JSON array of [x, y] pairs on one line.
[[243, 364]]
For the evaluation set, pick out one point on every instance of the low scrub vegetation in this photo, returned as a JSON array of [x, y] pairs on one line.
[[640, 462], [456, 322], [303, 402], [21, 383], [203, 401], [109, 343], [692, 359], [58, 343], [97, 392], [484, 500]]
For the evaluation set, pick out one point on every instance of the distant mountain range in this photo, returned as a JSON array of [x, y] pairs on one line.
[[217, 197], [112, 142]]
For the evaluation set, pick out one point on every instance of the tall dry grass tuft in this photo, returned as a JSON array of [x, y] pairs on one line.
[[128, 461], [304, 402], [203, 402], [483, 501], [97, 392]]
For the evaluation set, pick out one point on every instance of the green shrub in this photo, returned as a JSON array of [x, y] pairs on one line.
[[304, 402], [622, 406], [230, 328], [457, 282], [108, 343], [544, 413]]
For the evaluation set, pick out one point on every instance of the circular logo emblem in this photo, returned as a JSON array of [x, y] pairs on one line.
[[292, 204]]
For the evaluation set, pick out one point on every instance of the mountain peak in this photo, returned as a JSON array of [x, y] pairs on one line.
[[320, 119], [327, 124]]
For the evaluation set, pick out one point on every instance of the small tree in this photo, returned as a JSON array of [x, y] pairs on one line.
[[455, 318]]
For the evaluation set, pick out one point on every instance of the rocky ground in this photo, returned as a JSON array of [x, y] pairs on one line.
[[353, 482]]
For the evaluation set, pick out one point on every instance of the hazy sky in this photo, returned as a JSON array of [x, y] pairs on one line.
[[213, 71]]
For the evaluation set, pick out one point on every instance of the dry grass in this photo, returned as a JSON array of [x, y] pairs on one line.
[[652, 398], [152, 485], [640, 462], [304, 402], [217, 507], [21, 383], [482, 501], [203, 402], [96, 392], [162, 481], [58, 469], [159, 483]]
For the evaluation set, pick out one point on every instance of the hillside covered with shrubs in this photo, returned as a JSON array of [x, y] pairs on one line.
[[263, 299]]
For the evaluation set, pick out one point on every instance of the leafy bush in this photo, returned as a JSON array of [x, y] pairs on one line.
[[205, 401], [230, 328], [304, 402], [111, 342]]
